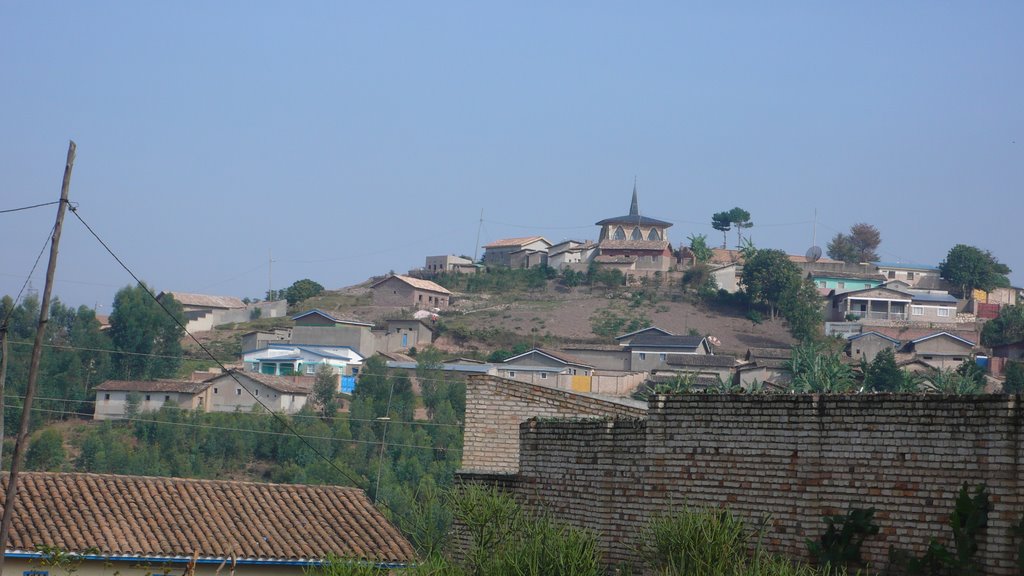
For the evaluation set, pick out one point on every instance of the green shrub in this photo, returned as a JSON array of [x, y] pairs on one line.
[[840, 546], [694, 541]]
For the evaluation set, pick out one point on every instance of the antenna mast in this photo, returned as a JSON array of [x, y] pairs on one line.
[[476, 248]]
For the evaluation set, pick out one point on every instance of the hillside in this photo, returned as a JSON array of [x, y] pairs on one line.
[[553, 315]]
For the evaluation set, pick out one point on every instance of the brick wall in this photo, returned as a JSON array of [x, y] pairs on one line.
[[792, 459], [496, 406]]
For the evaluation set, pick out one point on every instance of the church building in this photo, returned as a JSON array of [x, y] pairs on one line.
[[634, 243]]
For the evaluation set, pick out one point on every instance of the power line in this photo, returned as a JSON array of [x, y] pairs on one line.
[[28, 279], [285, 423], [261, 414], [247, 430], [9, 210]]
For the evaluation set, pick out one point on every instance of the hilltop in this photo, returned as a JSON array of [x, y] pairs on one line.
[[549, 314]]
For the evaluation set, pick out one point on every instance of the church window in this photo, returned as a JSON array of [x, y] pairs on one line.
[[620, 234], [636, 235], [653, 234]]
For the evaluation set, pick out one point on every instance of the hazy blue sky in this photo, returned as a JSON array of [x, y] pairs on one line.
[[357, 138]]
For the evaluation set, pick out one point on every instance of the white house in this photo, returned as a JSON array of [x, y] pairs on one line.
[[282, 359]]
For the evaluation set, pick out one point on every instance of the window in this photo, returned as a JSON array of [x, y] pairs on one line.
[[238, 391], [653, 234], [821, 283], [910, 275], [891, 274], [944, 312], [662, 356], [256, 392], [216, 391], [917, 310], [106, 396], [543, 375], [167, 397], [511, 373], [636, 234], [841, 285], [619, 234], [310, 369], [147, 397], [643, 356]]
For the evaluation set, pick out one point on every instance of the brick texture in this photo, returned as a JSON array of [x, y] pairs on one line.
[[790, 459]]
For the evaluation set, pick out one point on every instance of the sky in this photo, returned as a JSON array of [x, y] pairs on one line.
[[343, 140]]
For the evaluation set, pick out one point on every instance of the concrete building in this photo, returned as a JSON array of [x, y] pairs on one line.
[[516, 252], [636, 242], [409, 292], [203, 311], [114, 396], [439, 264]]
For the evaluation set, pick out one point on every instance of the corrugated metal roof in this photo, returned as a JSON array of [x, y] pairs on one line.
[[206, 300]]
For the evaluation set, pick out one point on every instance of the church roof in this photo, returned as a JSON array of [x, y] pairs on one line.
[[634, 218]]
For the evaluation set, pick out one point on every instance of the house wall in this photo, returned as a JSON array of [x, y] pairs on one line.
[[930, 313], [358, 338], [616, 384], [727, 279], [226, 395], [257, 340], [496, 406], [655, 359], [790, 458], [136, 567], [113, 408], [868, 347], [394, 292], [748, 376], [942, 352], [911, 277], [612, 360], [437, 264], [400, 336]]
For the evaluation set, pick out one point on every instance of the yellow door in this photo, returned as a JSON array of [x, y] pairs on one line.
[[581, 383]]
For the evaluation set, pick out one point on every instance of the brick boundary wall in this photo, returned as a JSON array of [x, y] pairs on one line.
[[495, 407], [789, 458]]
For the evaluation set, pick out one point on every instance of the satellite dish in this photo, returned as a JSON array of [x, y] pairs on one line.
[[813, 253], [714, 341]]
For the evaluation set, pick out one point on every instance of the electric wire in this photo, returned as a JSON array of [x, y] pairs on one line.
[[7, 317], [285, 423], [9, 210]]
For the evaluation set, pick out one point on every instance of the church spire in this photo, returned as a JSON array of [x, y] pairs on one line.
[[634, 210]]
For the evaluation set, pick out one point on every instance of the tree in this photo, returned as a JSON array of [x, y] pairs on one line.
[[768, 276], [720, 221], [882, 374], [972, 268], [741, 219], [857, 246], [301, 290], [699, 247], [1014, 373], [802, 309], [1006, 328], [149, 331], [816, 369], [46, 451], [325, 390]]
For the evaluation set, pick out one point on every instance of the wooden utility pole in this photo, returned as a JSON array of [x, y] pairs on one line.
[[3, 380], [33, 370]]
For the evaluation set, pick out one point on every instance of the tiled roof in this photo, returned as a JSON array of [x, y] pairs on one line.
[[183, 386], [777, 353], [512, 242], [665, 341], [173, 517], [285, 384], [701, 360], [634, 244], [207, 301], [415, 283]]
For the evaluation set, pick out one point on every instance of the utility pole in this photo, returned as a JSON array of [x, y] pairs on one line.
[[270, 273], [476, 248], [33, 370]]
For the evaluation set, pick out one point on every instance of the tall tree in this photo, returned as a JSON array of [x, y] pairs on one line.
[[768, 276], [802, 309], [857, 246], [882, 374], [325, 391], [969, 267], [149, 335], [740, 218], [720, 221]]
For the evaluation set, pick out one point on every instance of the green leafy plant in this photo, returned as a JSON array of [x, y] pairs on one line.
[[968, 520], [841, 543]]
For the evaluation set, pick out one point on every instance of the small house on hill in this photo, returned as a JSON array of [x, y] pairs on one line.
[[204, 311], [867, 345], [406, 291], [941, 350], [114, 396], [524, 252], [242, 391], [765, 365], [136, 525]]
